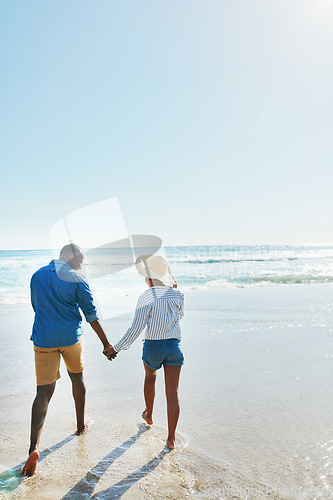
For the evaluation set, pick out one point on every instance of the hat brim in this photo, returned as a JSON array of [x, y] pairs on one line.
[[166, 278]]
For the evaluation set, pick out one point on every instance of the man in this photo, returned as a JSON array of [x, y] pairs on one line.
[[57, 293]]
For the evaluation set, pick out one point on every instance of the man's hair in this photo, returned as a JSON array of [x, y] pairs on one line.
[[68, 252]]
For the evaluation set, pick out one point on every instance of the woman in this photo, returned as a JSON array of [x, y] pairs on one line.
[[159, 309]]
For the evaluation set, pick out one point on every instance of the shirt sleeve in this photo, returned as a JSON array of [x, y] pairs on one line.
[[86, 301], [139, 322], [32, 295], [181, 312]]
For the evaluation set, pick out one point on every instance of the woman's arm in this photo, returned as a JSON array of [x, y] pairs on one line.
[[139, 322]]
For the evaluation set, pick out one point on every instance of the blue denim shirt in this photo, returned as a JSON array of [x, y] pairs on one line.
[[57, 293]]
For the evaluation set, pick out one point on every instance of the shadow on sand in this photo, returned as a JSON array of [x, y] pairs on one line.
[[85, 487], [12, 478]]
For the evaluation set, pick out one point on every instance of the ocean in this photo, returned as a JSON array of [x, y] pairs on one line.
[[196, 268], [255, 389]]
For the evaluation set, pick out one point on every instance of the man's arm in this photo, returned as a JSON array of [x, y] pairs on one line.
[[97, 327], [99, 330], [86, 303]]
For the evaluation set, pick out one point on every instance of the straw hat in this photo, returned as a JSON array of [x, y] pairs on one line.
[[155, 267]]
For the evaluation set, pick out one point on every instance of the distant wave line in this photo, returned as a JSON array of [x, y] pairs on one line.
[[226, 261], [292, 279]]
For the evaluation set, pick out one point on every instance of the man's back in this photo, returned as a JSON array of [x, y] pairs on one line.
[[57, 292]]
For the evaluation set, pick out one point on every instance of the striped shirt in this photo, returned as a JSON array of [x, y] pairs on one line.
[[160, 309]]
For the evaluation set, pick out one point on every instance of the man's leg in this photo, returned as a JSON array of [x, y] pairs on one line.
[[149, 393], [171, 378], [73, 357], [38, 414], [79, 395]]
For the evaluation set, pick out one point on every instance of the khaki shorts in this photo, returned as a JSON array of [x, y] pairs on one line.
[[47, 361]]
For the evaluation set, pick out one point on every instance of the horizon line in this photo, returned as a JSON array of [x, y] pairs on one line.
[[317, 243]]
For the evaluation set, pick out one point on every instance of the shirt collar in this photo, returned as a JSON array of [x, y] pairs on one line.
[[58, 263]]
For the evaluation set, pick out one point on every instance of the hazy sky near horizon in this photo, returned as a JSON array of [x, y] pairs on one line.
[[210, 120]]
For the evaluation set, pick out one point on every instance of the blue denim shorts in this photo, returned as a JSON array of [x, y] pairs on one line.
[[156, 353]]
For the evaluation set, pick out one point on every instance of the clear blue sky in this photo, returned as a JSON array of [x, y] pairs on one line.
[[211, 121]]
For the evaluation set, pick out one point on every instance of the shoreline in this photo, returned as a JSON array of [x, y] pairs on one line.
[[192, 290]]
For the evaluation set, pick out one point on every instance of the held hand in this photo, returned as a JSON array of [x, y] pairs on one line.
[[109, 352]]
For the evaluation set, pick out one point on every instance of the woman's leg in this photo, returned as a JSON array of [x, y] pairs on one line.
[[149, 393], [171, 378]]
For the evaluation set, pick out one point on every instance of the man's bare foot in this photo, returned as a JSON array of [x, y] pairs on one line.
[[80, 432], [147, 417], [170, 443], [31, 464]]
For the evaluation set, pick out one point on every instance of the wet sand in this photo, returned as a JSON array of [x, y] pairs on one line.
[[256, 406]]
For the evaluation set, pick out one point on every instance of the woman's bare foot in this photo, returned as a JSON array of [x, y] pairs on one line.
[[170, 443], [80, 432], [31, 464], [147, 417]]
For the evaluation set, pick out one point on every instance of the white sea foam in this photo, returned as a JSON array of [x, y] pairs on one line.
[[214, 285], [291, 279], [15, 299]]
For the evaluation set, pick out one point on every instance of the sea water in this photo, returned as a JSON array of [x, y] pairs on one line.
[[195, 267]]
